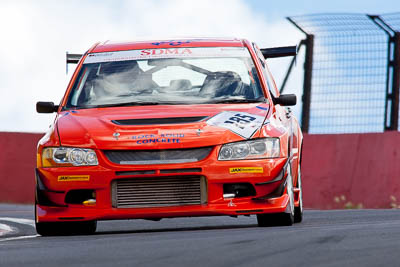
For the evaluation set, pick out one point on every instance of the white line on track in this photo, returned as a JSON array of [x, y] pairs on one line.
[[4, 228], [18, 220], [18, 237]]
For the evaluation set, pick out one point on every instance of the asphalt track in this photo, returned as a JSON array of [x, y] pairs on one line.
[[324, 238]]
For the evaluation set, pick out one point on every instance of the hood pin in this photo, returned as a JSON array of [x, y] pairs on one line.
[[199, 131]]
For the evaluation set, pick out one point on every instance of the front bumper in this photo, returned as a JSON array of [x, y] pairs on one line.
[[269, 196]]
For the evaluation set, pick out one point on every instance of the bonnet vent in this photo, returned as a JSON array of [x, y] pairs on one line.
[[173, 120]]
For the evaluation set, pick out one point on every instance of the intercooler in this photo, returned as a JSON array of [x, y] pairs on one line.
[[159, 191]]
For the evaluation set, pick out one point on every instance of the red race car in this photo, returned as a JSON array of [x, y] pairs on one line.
[[159, 129]]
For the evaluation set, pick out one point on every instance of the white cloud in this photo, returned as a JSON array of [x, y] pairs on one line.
[[36, 35]]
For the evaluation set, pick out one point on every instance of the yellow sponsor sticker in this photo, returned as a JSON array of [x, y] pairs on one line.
[[246, 170], [73, 178]]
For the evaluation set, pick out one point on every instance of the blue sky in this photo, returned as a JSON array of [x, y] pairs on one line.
[[36, 34]]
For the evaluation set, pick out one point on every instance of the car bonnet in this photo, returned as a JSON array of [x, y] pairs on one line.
[[160, 127]]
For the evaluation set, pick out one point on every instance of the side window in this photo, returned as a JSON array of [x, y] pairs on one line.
[[271, 81], [267, 74]]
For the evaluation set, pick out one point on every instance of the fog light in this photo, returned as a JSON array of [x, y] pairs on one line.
[[85, 197], [238, 190], [89, 202]]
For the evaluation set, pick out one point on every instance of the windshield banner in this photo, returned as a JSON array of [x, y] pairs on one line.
[[188, 52]]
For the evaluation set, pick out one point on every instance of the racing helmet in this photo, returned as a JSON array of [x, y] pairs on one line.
[[114, 67]]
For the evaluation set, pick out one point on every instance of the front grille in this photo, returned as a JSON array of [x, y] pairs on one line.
[[167, 156], [159, 192]]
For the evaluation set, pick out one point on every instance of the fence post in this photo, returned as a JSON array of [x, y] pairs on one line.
[[395, 64], [308, 65], [393, 72]]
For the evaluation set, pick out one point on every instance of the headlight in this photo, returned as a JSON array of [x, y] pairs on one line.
[[253, 149], [68, 156]]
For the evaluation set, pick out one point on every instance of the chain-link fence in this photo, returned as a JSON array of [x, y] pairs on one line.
[[393, 20], [350, 84]]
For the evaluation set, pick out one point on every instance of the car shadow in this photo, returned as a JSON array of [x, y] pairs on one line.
[[181, 229]]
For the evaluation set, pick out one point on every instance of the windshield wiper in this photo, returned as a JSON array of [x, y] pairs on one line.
[[236, 100], [122, 104]]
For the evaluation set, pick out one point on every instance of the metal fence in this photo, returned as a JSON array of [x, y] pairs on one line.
[[351, 72]]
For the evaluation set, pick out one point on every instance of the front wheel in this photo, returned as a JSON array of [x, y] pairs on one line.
[[298, 211], [285, 218], [65, 228], [275, 219]]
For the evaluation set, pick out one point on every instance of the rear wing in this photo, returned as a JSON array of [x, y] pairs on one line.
[[284, 51], [72, 59]]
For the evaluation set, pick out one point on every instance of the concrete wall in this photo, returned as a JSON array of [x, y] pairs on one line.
[[350, 170], [17, 164], [338, 171]]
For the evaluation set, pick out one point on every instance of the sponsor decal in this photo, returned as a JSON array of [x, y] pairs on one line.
[[240, 123], [171, 43], [73, 178], [246, 170], [145, 139], [167, 51], [173, 52], [100, 54]]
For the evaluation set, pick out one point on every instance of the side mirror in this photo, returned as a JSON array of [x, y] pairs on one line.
[[46, 107], [286, 100]]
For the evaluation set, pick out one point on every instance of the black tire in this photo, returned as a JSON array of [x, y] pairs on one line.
[[284, 218], [65, 228], [298, 214], [275, 219], [298, 211]]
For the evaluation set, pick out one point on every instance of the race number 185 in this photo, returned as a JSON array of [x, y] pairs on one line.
[[238, 118]]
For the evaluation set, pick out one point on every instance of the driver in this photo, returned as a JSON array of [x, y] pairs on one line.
[[121, 78]]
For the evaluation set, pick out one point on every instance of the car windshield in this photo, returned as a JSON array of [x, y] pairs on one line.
[[201, 75]]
